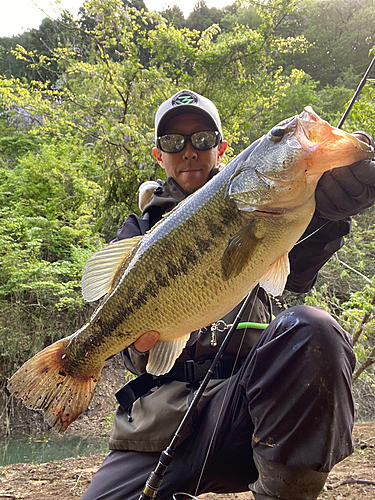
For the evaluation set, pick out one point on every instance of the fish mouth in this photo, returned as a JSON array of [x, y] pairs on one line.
[[264, 212], [276, 211]]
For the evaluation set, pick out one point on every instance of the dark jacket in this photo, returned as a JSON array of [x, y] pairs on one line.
[[155, 416]]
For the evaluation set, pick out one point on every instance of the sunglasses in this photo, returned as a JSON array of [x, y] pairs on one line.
[[202, 141]]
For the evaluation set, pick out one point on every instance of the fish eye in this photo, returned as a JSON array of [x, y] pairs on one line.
[[277, 132]]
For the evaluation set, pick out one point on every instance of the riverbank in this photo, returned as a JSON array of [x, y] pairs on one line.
[[352, 479]]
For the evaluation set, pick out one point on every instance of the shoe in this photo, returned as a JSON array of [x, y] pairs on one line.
[[280, 482]]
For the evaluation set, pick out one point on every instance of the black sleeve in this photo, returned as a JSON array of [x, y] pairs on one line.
[[136, 226], [133, 226], [320, 241]]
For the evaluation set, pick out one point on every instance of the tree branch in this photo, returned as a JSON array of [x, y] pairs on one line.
[[370, 360], [365, 320], [350, 480]]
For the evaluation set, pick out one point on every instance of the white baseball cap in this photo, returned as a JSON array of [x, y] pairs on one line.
[[186, 101]]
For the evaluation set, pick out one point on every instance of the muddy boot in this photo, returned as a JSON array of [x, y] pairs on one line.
[[277, 481]]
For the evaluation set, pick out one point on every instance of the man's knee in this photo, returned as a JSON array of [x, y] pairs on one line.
[[302, 345], [315, 331]]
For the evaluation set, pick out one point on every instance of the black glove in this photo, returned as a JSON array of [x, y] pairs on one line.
[[346, 191]]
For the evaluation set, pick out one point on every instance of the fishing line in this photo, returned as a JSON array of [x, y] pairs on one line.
[[312, 234], [244, 325], [220, 410]]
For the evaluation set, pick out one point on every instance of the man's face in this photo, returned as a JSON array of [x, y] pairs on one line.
[[190, 168]]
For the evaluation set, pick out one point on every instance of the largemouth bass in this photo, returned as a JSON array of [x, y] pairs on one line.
[[194, 266]]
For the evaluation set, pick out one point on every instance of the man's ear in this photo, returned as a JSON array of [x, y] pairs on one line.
[[221, 150], [158, 156]]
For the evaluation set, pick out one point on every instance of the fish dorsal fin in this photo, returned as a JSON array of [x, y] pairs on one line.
[[163, 355], [240, 248], [275, 278], [101, 268]]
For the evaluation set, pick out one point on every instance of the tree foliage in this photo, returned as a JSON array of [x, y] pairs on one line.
[[340, 35], [48, 207]]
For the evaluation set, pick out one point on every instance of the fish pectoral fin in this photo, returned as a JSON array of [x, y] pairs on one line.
[[163, 355], [101, 268], [239, 249], [275, 279]]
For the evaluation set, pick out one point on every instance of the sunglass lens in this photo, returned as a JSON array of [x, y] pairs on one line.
[[172, 143], [204, 140]]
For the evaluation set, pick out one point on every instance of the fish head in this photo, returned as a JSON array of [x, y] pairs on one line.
[[329, 147], [282, 171]]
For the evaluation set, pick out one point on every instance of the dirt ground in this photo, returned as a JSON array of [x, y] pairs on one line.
[[352, 479]]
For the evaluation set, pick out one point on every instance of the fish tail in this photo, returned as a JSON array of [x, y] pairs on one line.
[[43, 384]]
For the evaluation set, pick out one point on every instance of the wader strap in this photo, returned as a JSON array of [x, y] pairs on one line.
[[138, 387], [190, 371]]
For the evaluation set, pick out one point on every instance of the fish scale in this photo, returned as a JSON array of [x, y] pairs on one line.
[[194, 266]]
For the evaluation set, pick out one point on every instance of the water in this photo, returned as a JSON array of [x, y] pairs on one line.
[[26, 449]]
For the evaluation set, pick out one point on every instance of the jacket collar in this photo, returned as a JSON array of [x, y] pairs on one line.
[[169, 193]]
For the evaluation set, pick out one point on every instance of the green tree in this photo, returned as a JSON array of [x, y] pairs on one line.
[[341, 33], [202, 16], [240, 14], [48, 228], [174, 16], [38, 43]]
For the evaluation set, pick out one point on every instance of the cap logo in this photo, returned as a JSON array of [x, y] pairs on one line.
[[184, 98]]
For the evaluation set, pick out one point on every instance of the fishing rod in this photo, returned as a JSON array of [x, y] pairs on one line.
[[156, 477], [357, 92]]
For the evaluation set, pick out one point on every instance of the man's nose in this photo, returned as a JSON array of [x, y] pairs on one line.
[[189, 151]]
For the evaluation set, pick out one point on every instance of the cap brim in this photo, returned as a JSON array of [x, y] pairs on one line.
[[182, 110]]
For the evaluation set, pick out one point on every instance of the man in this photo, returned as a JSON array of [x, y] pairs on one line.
[[278, 413]]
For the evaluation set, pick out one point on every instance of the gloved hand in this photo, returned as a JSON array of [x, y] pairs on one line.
[[346, 191]]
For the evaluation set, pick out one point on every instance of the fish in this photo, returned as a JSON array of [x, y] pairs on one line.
[[194, 266]]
